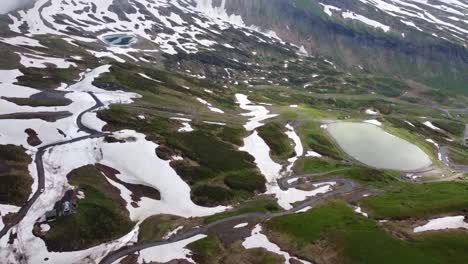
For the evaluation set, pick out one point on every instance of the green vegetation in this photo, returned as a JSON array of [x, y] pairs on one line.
[[201, 147], [261, 205], [318, 141], [365, 175], [371, 177], [15, 181], [209, 247], [247, 180], [34, 102], [458, 156], [357, 239], [406, 200], [386, 86], [205, 150], [211, 195], [100, 217], [280, 144], [454, 128], [413, 134], [317, 165], [10, 60], [157, 226], [47, 78], [212, 250]]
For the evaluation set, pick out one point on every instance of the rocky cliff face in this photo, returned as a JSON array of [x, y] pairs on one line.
[[418, 40]]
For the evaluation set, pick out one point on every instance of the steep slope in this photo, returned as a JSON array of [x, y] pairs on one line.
[[420, 40]]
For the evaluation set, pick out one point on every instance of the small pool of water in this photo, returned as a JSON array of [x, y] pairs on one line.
[[119, 39], [375, 147]]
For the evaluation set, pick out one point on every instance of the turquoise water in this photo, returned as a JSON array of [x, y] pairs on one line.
[[375, 147], [120, 39]]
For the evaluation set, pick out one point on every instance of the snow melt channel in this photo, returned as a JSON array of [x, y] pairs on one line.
[[257, 113]]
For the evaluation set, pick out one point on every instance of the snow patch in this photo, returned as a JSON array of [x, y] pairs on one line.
[[257, 113], [430, 125], [314, 154], [241, 225], [259, 240], [371, 111], [373, 122], [449, 222], [168, 252]]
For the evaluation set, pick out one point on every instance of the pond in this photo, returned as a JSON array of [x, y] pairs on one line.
[[119, 39], [375, 147]]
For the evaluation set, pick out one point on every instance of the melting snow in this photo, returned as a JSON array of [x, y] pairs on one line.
[[371, 112], [37, 61], [430, 125], [256, 147], [214, 123], [365, 20], [305, 209], [259, 240], [257, 113], [168, 252], [186, 127], [173, 232], [409, 123], [298, 149], [358, 210], [241, 225], [22, 41], [312, 153], [44, 227], [138, 164], [210, 106], [293, 195], [328, 9], [449, 222], [373, 122]]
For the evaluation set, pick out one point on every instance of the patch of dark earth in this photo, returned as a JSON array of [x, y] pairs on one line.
[[46, 116], [4, 167], [33, 139], [228, 234], [62, 133], [138, 190], [109, 86], [45, 98]]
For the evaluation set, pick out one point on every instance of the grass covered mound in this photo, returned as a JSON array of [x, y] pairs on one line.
[[261, 204], [406, 200], [454, 128], [212, 250], [157, 226], [368, 176], [334, 233], [318, 141], [98, 218], [274, 135], [211, 195], [15, 181], [247, 180]]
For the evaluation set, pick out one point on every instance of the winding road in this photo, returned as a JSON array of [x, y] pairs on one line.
[[40, 163], [342, 186]]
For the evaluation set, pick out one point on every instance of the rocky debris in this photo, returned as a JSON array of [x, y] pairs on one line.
[[33, 139]]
